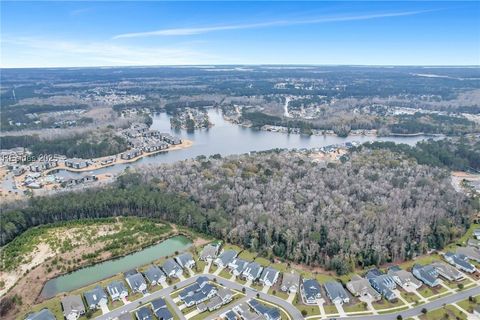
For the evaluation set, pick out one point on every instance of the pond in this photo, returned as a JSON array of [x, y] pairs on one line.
[[88, 275]]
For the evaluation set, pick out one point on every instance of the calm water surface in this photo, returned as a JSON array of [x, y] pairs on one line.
[[103, 270]]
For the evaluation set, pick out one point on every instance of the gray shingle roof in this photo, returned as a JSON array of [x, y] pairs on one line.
[[269, 274], [116, 287], [154, 274], [43, 314], [72, 304], [227, 256], [170, 266], [335, 290], [311, 289], [94, 296]]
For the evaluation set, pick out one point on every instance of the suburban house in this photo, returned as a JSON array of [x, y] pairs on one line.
[[185, 260], [136, 282], [268, 313], [476, 234], [72, 307], [195, 294], [311, 291], [154, 275], [43, 314], [237, 266], [200, 282], [460, 262], [290, 282], [230, 315], [472, 243], [225, 294], [404, 278], [427, 274], [214, 303], [336, 293], [383, 283], [130, 154], [172, 269], [361, 287], [144, 313], [43, 165], [160, 145], [160, 309], [448, 272], [225, 258], [245, 313], [117, 290], [470, 252], [253, 271], [170, 139], [76, 163], [209, 252], [269, 276], [95, 297]]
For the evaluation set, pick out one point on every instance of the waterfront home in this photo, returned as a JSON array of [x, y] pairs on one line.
[[290, 282], [108, 160], [209, 252], [311, 291], [136, 282], [404, 278], [427, 274], [185, 260], [76, 163], [448, 272], [361, 287], [383, 283], [170, 139], [460, 262], [269, 313], [95, 297], [172, 269], [130, 154], [237, 266], [78, 180], [471, 252], [336, 293], [43, 314], [476, 233], [154, 275], [160, 309], [117, 290], [43, 165], [225, 258], [253, 271], [72, 307], [269, 276], [144, 313]]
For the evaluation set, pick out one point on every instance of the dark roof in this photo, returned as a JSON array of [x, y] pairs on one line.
[[158, 304], [335, 290], [311, 288], [144, 313], [154, 274], [43, 314], [163, 314], [95, 295]]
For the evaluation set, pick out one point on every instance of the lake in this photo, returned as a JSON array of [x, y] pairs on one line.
[[88, 275], [226, 138]]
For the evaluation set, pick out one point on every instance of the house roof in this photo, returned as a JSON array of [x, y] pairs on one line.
[[269, 274], [144, 313], [116, 287], [214, 302], [201, 281], [224, 293], [311, 288], [240, 265], [447, 270], [230, 315], [136, 280], [290, 279], [72, 304], [470, 252], [460, 260], [184, 258], [95, 295], [163, 314], [154, 274], [426, 273], [210, 250], [170, 266], [253, 269], [158, 304], [271, 313], [43, 314], [404, 276], [335, 290], [227, 256]]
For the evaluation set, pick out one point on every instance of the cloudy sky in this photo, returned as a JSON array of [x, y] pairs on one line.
[[76, 34]]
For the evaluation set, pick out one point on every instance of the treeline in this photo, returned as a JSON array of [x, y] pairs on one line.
[[172, 107], [456, 154], [82, 146], [432, 124], [377, 207]]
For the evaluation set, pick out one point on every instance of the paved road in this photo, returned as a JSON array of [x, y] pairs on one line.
[[165, 292], [438, 303]]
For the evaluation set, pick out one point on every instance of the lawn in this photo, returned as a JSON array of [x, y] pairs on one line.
[[454, 284], [324, 278], [200, 266], [360, 306], [330, 309], [307, 310], [469, 305], [112, 305], [281, 266], [447, 312], [410, 297], [423, 260], [247, 255], [278, 293], [262, 261], [384, 304], [225, 274], [52, 304], [213, 268], [427, 292], [228, 246]]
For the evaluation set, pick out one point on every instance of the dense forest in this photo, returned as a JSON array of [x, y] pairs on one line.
[[85, 146], [377, 207], [454, 153]]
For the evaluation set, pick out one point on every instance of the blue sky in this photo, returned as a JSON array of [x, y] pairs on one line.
[[73, 34]]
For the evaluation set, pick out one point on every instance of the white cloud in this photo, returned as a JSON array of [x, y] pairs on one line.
[[202, 30], [34, 52]]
